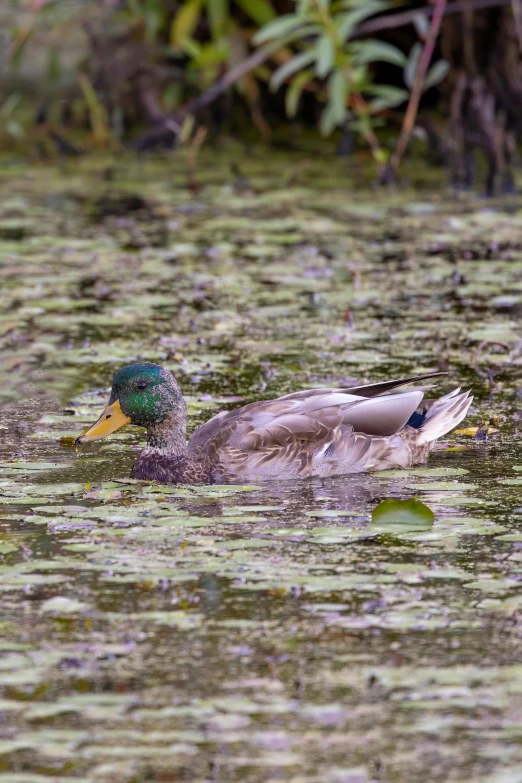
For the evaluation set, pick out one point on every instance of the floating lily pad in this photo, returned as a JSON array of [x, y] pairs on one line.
[[397, 515], [434, 486], [61, 605]]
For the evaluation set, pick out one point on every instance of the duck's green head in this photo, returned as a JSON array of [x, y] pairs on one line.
[[144, 394]]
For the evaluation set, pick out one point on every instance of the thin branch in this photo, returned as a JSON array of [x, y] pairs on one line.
[[369, 133], [416, 91], [167, 129], [390, 21], [228, 79], [467, 38], [517, 15]]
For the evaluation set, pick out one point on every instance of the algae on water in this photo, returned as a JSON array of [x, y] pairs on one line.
[[271, 632]]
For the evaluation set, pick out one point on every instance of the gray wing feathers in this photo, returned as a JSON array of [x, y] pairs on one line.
[[312, 415], [443, 415], [368, 390], [305, 422], [382, 415]]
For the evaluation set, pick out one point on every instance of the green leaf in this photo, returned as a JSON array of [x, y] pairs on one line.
[[277, 27], [133, 6], [421, 24], [213, 53], [62, 605], [301, 32], [54, 69], [325, 56], [338, 93], [377, 5], [378, 51], [185, 21], [260, 11], [218, 16], [10, 104], [291, 66], [436, 74], [14, 129], [327, 122], [335, 111], [18, 50], [346, 23], [293, 94], [172, 95], [193, 49], [387, 96], [154, 21], [412, 64], [402, 515]]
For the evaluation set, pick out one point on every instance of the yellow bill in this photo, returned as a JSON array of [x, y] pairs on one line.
[[112, 419]]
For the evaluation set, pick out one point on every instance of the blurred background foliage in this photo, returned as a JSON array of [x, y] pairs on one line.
[[77, 75]]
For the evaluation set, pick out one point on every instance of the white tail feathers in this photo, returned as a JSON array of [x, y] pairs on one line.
[[444, 415]]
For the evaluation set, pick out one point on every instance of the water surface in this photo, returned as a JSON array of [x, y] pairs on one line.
[[273, 632]]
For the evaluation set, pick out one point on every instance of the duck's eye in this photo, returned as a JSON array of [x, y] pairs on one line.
[[142, 385]]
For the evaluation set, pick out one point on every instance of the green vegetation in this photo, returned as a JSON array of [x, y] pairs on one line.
[[106, 64]]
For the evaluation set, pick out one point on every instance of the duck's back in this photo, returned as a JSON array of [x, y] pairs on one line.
[[317, 432]]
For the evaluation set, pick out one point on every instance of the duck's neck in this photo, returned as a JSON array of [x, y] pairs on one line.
[[166, 457], [169, 437]]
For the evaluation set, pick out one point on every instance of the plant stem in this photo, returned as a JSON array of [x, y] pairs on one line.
[[416, 91], [517, 16], [373, 142], [403, 18]]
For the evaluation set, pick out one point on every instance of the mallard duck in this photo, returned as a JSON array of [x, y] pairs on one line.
[[318, 432]]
